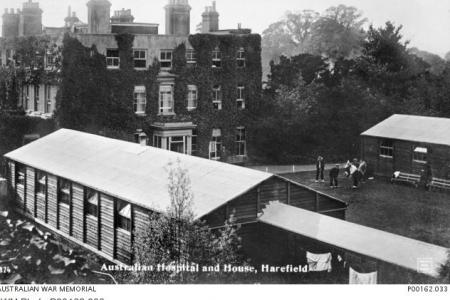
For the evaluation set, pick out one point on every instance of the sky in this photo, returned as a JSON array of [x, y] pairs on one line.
[[426, 23]]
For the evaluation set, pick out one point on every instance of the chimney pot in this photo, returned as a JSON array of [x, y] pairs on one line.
[[11, 10]]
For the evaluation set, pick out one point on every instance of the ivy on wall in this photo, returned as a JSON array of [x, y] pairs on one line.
[[95, 99]]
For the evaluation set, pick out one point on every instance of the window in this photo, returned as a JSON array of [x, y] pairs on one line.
[[192, 97], [240, 141], [215, 145], [47, 98], [165, 59], [40, 182], [20, 174], [166, 99], [123, 215], [36, 98], [177, 144], [240, 101], [140, 59], [194, 141], [64, 188], [217, 97], [240, 58], [157, 141], [387, 149], [91, 202], [27, 96], [50, 59], [420, 155], [190, 56], [112, 59], [216, 58], [140, 99]]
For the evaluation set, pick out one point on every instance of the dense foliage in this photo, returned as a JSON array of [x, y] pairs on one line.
[[316, 106]]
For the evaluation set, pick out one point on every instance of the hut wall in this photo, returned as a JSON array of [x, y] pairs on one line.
[[11, 176], [141, 218], [439, 159], [92, 231], [41, 205], [78, 211], [301, 197], [123, 246], [107, 225], [245, 208], [64, 218], [52, 201], [30, 192]]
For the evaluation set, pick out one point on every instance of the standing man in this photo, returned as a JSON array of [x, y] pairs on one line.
[[334, 173], [320, 167], [356, 174]]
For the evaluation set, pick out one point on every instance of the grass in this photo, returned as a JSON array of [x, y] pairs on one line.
[[395, 208]]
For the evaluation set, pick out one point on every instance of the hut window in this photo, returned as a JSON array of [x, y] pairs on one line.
[[91, 202], [420, 154], [20, 174], [123, 215], [41, 182], [387, 148], [64, 191]]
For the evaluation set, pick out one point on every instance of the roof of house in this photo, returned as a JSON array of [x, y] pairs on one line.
[[381, 245], [135, 173], [413, 128]]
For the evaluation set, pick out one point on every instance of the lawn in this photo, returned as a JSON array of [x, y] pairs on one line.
[[395, 208]]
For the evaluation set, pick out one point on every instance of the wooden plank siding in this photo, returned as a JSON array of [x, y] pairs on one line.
[[123, 246], [30, 192], [20, 196], [438, 158], [41, 206], [64, 218], [244, 209], [141, 217], [52, 201], [107, 224], [92, 231], [78, 211], [11, 176], [301, 197], [271, 190]]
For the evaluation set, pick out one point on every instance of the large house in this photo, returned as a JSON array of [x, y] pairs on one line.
[[206, 88]]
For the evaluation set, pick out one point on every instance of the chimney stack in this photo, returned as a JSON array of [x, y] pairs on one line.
[[210, 19]]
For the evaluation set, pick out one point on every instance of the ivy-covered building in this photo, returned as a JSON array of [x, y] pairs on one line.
[[189, 93]]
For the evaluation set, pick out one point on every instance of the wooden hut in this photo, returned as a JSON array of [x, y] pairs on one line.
[[98, 192], [408, 144]]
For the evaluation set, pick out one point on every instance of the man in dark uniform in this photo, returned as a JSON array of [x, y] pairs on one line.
[[334, 173], [320, 167]]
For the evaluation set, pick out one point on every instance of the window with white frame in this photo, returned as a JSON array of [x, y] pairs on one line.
[[36, 98], [194, 148], [49, 59], [240, 101], [215, 145], [190, 56], [47, 98], [112, 59], [91, 202], [420, 155], [140, 59], [165, 59], [140, 99], [123, 215], [240, 58], [216, 58], [387, 149], [217, 97], [240, 144], [64, 187], [166, 99], [40, 182], [192, 97]]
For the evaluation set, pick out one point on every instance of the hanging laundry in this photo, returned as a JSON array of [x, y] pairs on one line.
[[362, 278], [319, 262]]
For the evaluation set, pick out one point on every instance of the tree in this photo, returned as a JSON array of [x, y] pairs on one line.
[[447, 56], [338, 33], [176, 237]]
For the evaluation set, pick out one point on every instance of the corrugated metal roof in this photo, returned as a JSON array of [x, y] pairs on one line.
[[413, 128], [133, 172], [381, 245]]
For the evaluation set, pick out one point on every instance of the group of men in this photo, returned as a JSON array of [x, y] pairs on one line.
[[359, 167]]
